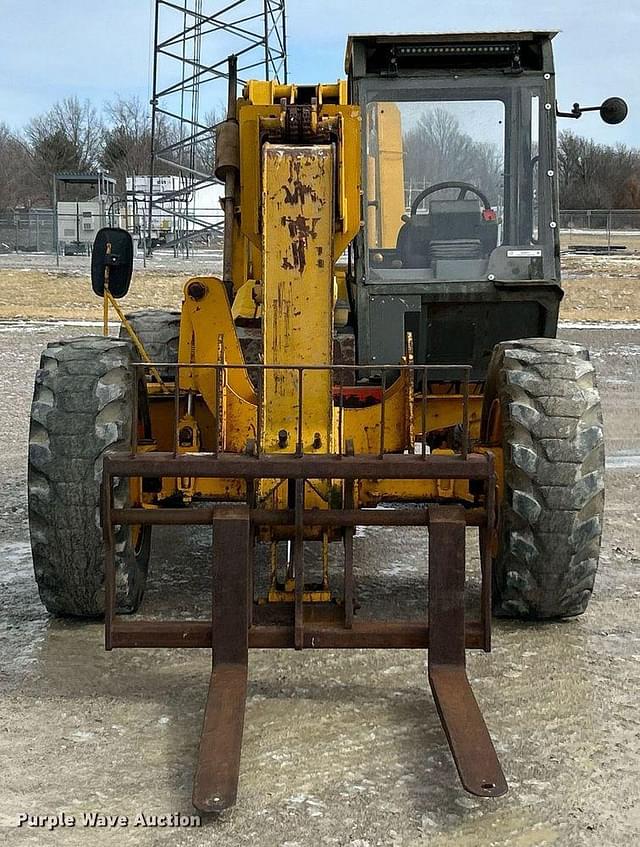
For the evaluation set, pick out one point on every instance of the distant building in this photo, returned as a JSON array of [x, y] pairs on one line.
[[78, 221]]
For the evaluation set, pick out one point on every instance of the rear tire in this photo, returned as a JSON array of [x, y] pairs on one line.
[[82, 408], [159, 332], [553, 505]]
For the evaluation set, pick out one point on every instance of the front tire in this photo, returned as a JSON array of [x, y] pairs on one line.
[[159, 332], [542, 406], [82, 408]]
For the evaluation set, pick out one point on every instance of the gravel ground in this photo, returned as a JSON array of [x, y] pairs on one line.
[[339, 748]]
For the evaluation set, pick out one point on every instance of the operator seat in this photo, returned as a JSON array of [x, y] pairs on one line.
[[452, 229]]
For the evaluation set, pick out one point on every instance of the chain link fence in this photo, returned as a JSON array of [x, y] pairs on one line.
[[27, 231], [32, 231], [601, 230]]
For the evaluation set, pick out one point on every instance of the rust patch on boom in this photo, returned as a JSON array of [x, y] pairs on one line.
[[301, 229], [296, 192]]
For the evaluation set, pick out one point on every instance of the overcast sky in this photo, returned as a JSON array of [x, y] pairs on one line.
[[97, 49]]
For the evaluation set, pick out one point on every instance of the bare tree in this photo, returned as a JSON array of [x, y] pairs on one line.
[[207, 145], [127, 142], [438, 150], [72, 136], [68, 137], [629, 196], [127, 139], [80, 125], [597, 176], [15, 173]]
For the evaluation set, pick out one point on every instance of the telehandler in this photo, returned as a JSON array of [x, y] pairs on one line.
[[384, 331]]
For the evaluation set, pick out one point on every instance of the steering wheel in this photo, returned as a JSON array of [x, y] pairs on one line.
[[463, 186]]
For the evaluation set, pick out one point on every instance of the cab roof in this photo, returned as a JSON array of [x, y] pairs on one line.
[[371, 41]]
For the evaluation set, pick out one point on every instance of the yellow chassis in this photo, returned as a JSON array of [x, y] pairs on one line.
[[297, 211]]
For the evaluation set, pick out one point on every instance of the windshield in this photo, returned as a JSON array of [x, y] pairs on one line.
[[447, 193]]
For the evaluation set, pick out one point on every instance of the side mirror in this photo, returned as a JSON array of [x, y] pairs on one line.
[[112, 260], [614, 110]]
